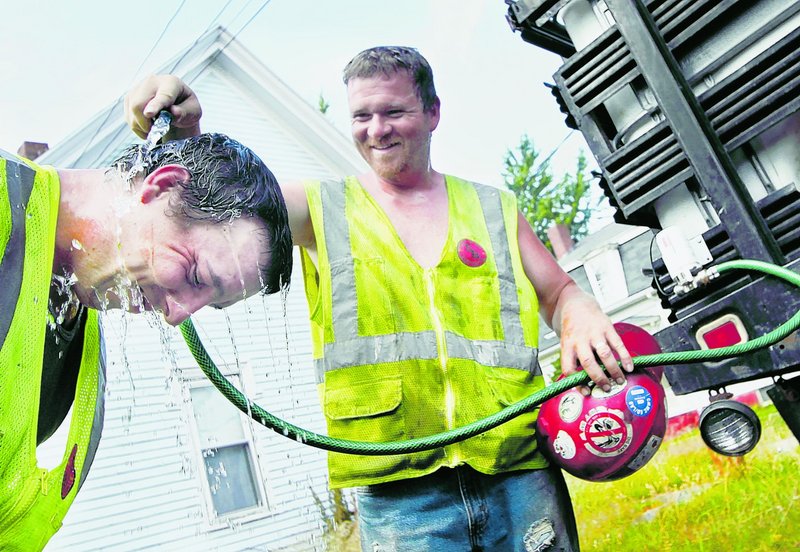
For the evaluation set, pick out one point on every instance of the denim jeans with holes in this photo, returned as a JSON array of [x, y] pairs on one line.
[[460, 509]]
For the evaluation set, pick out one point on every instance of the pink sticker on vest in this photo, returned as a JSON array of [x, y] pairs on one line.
[[69, 474], [470, 253]]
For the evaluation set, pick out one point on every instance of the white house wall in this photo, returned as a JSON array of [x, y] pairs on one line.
[[257, 126]]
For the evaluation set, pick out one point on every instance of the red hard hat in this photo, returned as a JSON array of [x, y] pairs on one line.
[[607, 436]]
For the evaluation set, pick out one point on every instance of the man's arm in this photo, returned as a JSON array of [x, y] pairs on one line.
[[584, 328], [294, 194]]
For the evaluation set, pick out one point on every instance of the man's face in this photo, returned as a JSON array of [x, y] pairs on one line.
[[189, 267], [180, 267], [389, 127]]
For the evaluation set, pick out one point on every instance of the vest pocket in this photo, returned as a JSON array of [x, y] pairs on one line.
[[514, 441], [512, 388], [364, 410]]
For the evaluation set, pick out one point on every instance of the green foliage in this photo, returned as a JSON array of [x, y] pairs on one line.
[[340, 532], [543, 200], [322, 104]]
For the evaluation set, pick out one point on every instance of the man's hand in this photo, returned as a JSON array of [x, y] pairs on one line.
[[158, 92], [588, 334], [584, 328]]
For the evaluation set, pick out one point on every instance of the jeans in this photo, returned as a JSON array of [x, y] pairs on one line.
[[460, 509]]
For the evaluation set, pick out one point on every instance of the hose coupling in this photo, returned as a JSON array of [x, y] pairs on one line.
[[703, 277]]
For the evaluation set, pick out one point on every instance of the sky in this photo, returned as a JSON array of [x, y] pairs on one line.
[[64, 62]]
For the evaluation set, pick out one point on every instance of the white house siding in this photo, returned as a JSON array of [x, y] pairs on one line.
[[146, 489], [257, 127]]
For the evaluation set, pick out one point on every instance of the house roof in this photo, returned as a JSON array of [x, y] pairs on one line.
[[241, 97]]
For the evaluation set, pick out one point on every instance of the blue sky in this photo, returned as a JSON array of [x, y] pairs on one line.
[[66, 61]]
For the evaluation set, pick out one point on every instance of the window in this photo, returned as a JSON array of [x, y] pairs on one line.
[[613, 274], [232, 475], [635, 255], [606, 276]]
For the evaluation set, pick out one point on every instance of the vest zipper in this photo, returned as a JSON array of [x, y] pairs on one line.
[[441, 344]]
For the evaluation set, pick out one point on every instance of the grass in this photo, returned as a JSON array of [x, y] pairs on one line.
[[686, 499], [691, 499]]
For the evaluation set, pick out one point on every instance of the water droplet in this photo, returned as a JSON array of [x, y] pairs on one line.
[[76, 244]]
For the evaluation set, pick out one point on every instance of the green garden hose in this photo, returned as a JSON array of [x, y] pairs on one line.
[[460, 433]]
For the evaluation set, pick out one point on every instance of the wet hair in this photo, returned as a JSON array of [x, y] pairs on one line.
[[228, 180], [388, 60]]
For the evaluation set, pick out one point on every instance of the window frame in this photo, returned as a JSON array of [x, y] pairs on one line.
[[262, 509]]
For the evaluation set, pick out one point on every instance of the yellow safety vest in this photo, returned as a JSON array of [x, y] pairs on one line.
[[402, 351], [33, 501]]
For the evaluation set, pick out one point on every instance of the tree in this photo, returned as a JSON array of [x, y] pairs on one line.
[[543, 200], [322, 104]]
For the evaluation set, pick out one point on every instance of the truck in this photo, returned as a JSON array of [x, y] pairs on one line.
[[691, 109]]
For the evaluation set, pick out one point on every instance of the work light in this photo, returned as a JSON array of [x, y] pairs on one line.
[[729, 427]]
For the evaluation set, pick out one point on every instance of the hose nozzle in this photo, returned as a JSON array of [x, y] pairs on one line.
[[159, 129]]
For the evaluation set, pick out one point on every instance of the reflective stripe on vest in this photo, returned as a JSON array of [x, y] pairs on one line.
[[350, 349], [19, 185], [99, 408]]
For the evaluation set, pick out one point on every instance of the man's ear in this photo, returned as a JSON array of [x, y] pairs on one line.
[[435, 113], [162, 180]]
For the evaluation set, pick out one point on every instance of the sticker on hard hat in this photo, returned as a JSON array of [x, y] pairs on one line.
[[639, 400], [599, 393], [646, 453], [564, 446], [605, 432], [570, 406]]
